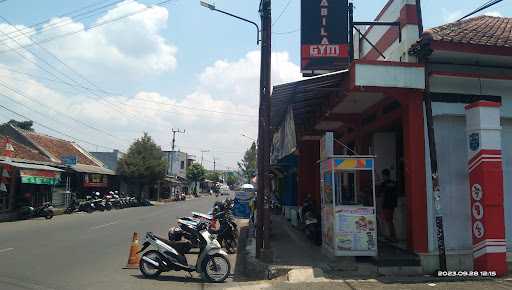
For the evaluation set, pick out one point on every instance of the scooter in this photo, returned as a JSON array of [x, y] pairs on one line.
[[212, 262], [45, 210]]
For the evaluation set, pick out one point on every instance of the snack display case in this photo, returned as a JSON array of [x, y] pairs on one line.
[[349, 225]]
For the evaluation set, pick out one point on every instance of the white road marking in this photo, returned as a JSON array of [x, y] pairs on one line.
[[105, 225], [6, 250]]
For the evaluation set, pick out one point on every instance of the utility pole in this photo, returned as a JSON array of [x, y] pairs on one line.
[[203, 151], [214, 163], [263, 218], [172, 150]]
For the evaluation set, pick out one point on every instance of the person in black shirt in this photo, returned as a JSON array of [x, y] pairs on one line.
[[389, 203]]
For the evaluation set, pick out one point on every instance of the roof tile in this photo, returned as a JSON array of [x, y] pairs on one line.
[[480, 30]]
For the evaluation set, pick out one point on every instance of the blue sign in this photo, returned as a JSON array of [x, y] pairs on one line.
[[474, 141], [69, 160]]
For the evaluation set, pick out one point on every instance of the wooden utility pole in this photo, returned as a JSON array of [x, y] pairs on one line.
[[263, 218], [172, 150]]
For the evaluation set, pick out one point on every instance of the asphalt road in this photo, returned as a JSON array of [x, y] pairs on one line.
[[88, 251]]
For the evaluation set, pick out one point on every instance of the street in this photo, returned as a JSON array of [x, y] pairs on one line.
[[88, 251]]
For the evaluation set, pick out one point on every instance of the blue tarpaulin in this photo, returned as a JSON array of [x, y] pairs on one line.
[[241, 207]]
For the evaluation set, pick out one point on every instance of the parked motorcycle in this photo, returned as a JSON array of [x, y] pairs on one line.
[[212, 262], [310, 222], [28, 212]]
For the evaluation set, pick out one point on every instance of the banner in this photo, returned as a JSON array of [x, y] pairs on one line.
[[29, 176], [284, 141], [324, 36]]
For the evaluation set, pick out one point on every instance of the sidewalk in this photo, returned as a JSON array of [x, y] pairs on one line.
[[294, 258], [292, 255]]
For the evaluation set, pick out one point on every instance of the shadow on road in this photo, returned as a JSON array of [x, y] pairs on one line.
[[170, 278]]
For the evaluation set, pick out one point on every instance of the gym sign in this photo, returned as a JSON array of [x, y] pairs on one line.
[[324, 36]]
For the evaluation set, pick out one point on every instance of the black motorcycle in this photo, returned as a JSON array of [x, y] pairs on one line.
[[28, 212]]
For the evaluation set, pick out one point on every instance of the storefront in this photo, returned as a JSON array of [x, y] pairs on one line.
[[27, 184]]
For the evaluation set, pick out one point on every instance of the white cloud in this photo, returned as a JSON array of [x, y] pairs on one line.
[[127, 50], [225, 86], [494, 13], [451, 16], [132, 46]]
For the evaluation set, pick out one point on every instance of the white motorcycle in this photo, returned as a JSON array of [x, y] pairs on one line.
[[212, 262]]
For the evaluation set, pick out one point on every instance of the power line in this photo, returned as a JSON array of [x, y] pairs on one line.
[[195, 108], [79, 86], [286, 32], [54, 130], [96, 25], [483, 7], [64, 22], [114, 106], [51, 66], [60, 112], [282, 12]]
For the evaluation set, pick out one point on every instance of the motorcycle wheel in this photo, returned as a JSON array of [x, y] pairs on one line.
[[48, 214], [108, 207], [216, 268], [147, 269], [230, 245], [90, 209]]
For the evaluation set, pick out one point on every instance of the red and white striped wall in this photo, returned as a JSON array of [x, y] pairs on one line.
[[386, 38], [483, 139]]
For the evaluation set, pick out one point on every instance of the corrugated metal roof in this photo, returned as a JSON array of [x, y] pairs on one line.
[[304, 96], [92, 169], [29, 165]]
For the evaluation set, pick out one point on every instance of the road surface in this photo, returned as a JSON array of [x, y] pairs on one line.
[[88, 251]]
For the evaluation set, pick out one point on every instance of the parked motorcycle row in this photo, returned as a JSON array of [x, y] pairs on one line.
[[207, 232], [97, 202]]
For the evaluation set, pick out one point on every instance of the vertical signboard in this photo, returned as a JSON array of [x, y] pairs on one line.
[[324, 36]]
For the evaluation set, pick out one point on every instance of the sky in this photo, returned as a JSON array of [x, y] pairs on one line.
[[178, 65]]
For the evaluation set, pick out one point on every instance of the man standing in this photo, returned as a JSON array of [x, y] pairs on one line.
[[389, 203]]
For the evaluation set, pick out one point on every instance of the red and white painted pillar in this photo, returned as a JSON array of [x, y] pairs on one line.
[[483, 131]]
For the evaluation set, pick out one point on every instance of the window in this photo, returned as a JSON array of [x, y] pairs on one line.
[[182, 166]]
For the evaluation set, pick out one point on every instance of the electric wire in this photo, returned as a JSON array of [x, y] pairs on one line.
[[96, 25], [282, 12], [483, 7], [63, 21], [52, 129]]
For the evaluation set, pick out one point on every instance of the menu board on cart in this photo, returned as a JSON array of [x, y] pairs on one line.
[[356, 230]]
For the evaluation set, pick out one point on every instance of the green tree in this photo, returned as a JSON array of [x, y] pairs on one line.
[[25, 125], [248, 164], [213, 176], [195, 174], [231, 179], [143, 164]]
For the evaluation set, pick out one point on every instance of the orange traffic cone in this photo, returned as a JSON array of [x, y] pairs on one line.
[[133, 259]]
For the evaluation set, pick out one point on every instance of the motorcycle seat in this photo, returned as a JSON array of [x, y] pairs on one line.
[[182, 247]]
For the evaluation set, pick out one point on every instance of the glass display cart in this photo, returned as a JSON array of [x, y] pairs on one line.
[[349, 226]]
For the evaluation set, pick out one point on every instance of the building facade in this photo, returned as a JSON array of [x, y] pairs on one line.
[[377, 107]]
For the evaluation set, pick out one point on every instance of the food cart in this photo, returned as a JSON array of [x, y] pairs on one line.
[[349, 226]]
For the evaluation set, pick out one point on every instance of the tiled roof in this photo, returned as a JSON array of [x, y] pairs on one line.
[[480, 30], [58, 147], [24, 152]]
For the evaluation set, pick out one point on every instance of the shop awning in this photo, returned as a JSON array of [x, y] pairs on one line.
[[29, 166], [303, 96], [92, 169]]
